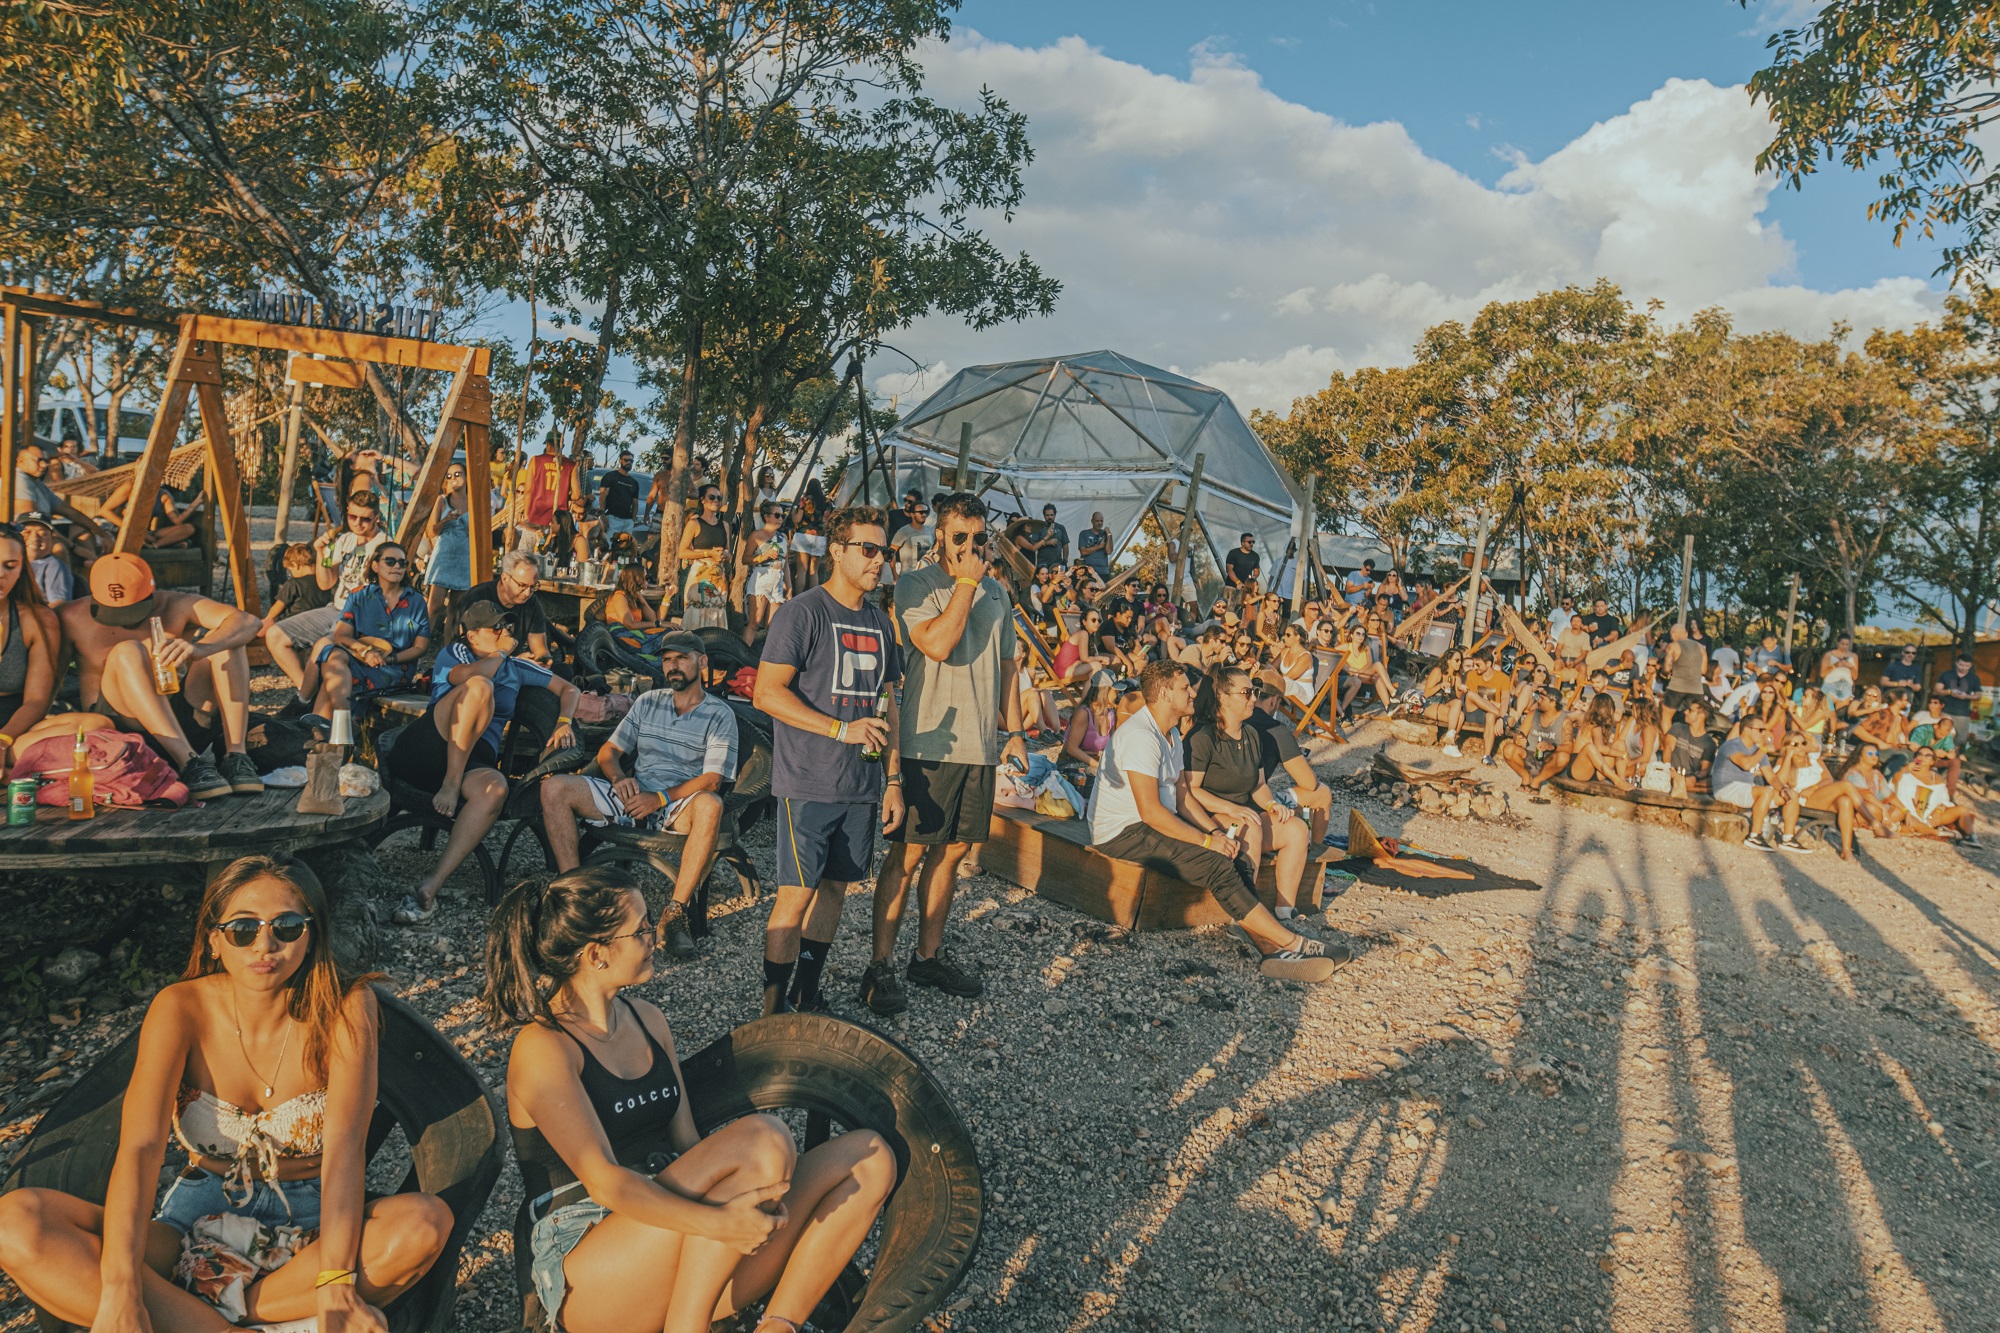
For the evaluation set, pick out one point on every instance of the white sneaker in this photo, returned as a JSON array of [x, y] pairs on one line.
[[1454, 751]]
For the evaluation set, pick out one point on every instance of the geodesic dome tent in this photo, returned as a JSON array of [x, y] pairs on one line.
[[1097, 432]]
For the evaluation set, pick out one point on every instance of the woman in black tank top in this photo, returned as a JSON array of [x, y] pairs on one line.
[[637, 1220]]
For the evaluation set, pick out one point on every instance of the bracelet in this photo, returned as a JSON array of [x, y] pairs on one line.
[[833, 730], [966, 583], [840, 733], [563, 721], [1204, 842], [6, 741], [896, 778], [334, 1277]]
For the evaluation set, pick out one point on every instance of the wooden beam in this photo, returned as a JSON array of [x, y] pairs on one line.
[[478, 489], [227, 488], [333, 374], [1517, 627], [193, 362], [1426, 613], [430, 477], [288, 468], [375, 347], [1187, 531], [1302, 561], [41, 303], [10, 419]]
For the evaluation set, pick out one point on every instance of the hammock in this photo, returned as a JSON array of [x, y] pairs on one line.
[[182, 464]]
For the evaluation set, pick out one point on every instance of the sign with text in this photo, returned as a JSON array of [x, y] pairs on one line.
[[398, 321]]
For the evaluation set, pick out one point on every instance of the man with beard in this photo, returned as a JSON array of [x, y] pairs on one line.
[[681, 742]]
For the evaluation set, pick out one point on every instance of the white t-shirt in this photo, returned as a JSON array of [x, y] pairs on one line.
[[1136, 747], [1726, 658], [1921, 799], [352, 555]]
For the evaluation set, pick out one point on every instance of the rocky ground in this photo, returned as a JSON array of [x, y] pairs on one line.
[[1687, 1086]]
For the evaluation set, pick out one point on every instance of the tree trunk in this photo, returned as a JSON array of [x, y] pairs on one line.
[[607, 331], [673, 515], [741, 490]]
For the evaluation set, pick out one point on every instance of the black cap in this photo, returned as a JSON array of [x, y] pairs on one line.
[[485, 615], [683, 641]]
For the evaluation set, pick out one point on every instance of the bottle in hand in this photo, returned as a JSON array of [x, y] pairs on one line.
[[166, 680], [874, 754], [82, 794]]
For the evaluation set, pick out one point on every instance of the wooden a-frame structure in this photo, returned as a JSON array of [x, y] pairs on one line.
[[197, 368]]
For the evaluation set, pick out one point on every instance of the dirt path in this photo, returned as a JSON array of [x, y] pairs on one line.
[[1686, 1087]]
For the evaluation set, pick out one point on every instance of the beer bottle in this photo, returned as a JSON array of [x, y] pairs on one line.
[[82, 796], [874, 756]]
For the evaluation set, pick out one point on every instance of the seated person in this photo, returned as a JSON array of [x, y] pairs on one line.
[[1920, 791], [1799, 768], [47, 560], [626, 604], [681, 741], [1690, 747], [638, 1221], [453, 750], [1483, 705], [1940, 732], [1079, 657], [32, 496], [1639, 739], [171, 522], [341, 566], [262, 1063], [1281, 753], [1744, 776], [1295, 665], [1443, 684], [28, 656], [1091, 723], [1362, 669], [1536, 738], [1225, 777], [300, 590], [514, 593], [379, 639], [1877, 794], [111, 633], [1134, 817], [1595, 754]]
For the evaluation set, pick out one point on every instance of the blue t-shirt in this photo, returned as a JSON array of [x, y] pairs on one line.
[[369, 615], [843, 659], [1727, 770], [515, 674]]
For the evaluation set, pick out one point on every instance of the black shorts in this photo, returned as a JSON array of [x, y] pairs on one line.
[[200, 735], [1675, 700], [946, 802], [421, 753], [1475, 717], [825, 840]]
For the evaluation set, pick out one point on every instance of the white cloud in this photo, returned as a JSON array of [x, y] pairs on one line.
[[1205, 221]]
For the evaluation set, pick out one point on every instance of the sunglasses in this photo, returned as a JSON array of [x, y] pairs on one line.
[[286, 927], [869, 550], [961, 538], [392, 561], [365, 514]]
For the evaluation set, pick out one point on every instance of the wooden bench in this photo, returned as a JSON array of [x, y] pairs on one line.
[[1697, 815], [1054, 858], [207, 836]]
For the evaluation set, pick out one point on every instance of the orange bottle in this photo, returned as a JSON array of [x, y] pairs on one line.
[[82, 797]]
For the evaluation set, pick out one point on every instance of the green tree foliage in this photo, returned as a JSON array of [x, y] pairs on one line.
[[1900, 87]]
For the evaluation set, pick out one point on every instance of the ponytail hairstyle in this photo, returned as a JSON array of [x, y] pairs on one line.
[[535, 943], [316, 993], [1208, 696]]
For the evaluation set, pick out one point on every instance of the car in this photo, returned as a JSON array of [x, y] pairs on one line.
[[57, 417]]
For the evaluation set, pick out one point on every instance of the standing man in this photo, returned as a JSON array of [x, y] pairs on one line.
[[1134, 817], [341, 568], [1685, 666], [1241, 567], [1051, 547], [1958, 687], [1602, 625], [912, 541], [548, 479], [826, 681], [1901, 672], [1769, 656], [959, 621], [1093, 547], [913, 500], [618, 497]]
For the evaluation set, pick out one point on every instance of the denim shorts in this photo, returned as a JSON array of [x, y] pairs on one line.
[[550, 1242], [196, 1194]]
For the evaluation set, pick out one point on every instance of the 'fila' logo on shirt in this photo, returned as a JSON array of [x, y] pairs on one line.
[[857, 671]]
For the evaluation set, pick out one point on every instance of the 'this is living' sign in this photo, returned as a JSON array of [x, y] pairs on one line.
[[400, 321]]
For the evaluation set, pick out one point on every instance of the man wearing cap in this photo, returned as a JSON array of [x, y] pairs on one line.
[[33, 496], [45, 558], [681, 742], [341, 568], [111, 633]]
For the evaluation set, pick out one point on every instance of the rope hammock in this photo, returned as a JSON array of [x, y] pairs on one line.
[[182, 464]]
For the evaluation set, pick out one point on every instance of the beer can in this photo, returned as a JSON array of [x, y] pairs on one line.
[[21, 801]]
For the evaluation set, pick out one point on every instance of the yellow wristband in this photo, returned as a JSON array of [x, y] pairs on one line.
[[6, 741], [334, 1277], [833, 731], [966, 583], [1204, 841]]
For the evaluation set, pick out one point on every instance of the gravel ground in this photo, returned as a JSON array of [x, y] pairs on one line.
[[1688, 1086]]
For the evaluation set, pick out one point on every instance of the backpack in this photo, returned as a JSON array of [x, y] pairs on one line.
[[125, 771]]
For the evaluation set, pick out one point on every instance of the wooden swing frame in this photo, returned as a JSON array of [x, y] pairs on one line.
[[197, 368]]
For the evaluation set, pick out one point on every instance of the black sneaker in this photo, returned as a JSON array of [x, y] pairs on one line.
[[297, 707], [882, 990], [1756, 840], [677, 940], [1793, 845], [241, 774], [204, 780], [942, 973]]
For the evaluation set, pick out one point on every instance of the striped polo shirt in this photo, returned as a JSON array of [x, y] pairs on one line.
[[669, 747]]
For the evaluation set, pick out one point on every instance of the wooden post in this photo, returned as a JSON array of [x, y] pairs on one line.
[[961, 479], [194, 362], [1791, 614], [10, 419], [1478, 582], [1301, 562], [228, 490], [1187, 530], [478, 449], [467, 405], [1687, 575], [31, 351], [288, 469]]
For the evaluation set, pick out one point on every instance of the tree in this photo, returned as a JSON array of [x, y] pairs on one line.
[[1902, 87], [1947, 568]]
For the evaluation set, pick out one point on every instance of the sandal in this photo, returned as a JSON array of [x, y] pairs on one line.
[[410, 912]]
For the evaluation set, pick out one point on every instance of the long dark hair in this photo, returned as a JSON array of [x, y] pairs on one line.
[[1208, 694], [535, 943], [26, 591], [321, 985]]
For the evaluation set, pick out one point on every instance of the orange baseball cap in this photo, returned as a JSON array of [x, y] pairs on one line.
[[121, 588]]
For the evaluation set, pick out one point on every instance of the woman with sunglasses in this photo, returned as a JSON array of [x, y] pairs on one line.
[[1920, 790], [705, 554], [626, 605], [809, 536], [1800, 769], [28, 674], [261, 1062], [1295, 663], [1874, 792], [764, 592], [1078, 657], [379, 639], [638, 1221], [1226, 777], [449, 528]]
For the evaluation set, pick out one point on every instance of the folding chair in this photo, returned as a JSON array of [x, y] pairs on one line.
[[1307, 719]]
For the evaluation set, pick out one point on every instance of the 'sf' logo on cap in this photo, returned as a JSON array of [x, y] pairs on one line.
[[117, 591]]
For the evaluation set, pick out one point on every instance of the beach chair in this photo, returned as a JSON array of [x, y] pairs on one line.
[[1306, 720]]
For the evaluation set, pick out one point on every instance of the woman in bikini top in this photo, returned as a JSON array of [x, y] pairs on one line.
[[261, 1060], [638, 1221]]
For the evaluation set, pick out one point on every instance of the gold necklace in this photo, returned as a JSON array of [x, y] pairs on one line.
[[243, 1047]]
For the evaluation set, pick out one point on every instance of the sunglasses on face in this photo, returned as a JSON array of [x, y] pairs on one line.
[[711, 499], [365, 516], [286, 927], [976, 538], [869, 550], [392, 561]]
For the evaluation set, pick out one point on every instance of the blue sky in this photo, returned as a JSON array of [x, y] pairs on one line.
[[1473, 82]]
